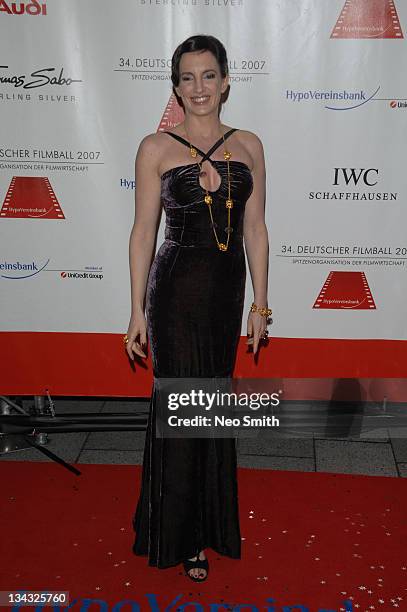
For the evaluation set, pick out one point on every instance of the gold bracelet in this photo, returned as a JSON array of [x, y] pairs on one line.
[[264, 312]]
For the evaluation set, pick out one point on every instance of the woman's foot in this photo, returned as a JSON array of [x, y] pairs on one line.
[[197, 567]]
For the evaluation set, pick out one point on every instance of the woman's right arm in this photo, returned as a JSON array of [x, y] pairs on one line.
[[142, 238]]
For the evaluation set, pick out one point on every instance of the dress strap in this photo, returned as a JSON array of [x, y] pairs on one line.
[[211, 150], [183, 141], [216, 145]]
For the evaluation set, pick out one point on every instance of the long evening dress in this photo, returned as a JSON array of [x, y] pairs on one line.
[[194, 305]]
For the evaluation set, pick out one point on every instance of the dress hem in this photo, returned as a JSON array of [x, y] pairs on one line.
[[173, 564]]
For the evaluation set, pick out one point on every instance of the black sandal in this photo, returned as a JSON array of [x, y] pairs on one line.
[[198, 564]]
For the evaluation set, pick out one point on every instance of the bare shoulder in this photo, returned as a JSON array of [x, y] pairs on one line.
[[150, 151], [251, 142], [254, 148], [152, 143]]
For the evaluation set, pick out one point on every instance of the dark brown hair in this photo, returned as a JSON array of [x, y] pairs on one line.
[[200, 42]]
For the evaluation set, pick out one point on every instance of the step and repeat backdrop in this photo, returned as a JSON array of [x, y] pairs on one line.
[[320, 82]]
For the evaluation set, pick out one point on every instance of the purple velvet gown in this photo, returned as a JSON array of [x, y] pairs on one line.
[[194, 305]]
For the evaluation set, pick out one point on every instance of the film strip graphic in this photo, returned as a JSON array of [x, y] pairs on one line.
[[172, 115], [345, 291], [368, 19], [31, 197]]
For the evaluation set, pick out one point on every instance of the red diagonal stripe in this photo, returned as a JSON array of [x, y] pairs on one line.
[[172, 115]]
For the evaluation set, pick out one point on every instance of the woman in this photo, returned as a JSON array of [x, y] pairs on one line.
[[210, 178]]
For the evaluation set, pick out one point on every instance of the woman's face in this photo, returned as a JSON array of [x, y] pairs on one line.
[[200, 85]]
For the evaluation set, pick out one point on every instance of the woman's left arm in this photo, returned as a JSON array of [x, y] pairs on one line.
[[256, 241]]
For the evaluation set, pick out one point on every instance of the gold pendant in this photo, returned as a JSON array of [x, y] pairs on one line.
[[229, 203], [194, 152], [222, 246], [227, 155], [208, 199]]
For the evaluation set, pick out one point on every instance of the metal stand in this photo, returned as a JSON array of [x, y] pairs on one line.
[[24, 430]]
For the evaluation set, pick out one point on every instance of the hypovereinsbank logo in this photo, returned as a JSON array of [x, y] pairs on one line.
[[342, 99]]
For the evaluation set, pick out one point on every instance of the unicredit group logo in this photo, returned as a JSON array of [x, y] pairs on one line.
[[23, 8]]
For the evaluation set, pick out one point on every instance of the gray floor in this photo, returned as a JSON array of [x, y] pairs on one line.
[[382, 452]]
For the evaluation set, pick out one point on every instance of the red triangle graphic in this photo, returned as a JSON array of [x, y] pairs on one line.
[[172, 115]]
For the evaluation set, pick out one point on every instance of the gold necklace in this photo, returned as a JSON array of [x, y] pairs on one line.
[[208, 198]]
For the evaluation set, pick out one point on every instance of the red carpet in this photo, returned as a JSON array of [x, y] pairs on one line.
[[368, 19], [346, 290], [309, 539], [31, 197]]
